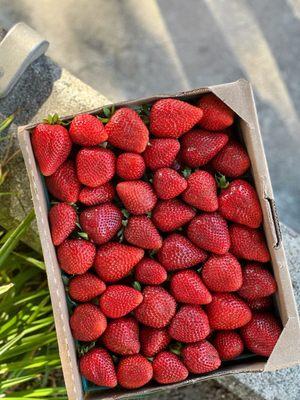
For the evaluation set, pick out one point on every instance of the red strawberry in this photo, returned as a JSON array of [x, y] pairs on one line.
[[141, 232], [248, 243], [153, 340], [177, 252], [198, 147], [168, 183], [119, 300], [87, 322], [187, 287], [115, 260], [201, 191], [232, 160], [222, 273], [201, 357], [229, 344], [130, 166], [137, 196], [97, 367], [95, 166], [122, 336], [167, 368], [260, 304], [169, 215], [239, 203], [227, 311], [157, 309], [85, 287], [127, 131], [260, 335], [190, 324], [209, 231], [150, 272], [161, 153], [98, 195], [51, 146], [216, 114], [102, 222], [76, 256], [87, 130], [62, 219], [134, 371], [171, 117], [63, 184], [257, 282]]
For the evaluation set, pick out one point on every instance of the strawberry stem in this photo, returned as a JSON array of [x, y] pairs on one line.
[[52, 119], [221, 180]]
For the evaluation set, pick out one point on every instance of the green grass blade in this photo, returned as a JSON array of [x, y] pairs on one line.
[[5, 288], [6, 122], [50, 360], [45, 392], [31, 260], [8, 383]]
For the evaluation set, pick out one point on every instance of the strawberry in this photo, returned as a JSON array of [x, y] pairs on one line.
[[95, 166], [260, 304], [51, 146], [198, 147], [257, 282], [232, 160], [167, 368], [260, 335], [76, 256], [169, 215], [97, 195], [150, 272], [122, 336], [85, 287], [201, 357], [209, 231], [190, 324], [201, 191], [137, 196], [130, 166], [119, 300], [229, 344], [63, 183], [248, 243], [157, 309], [115, 260], [87, 130], [161, 153], [102, 222], [227, 311], [239, 203], [87, 322], [140, 231], [168, 183], [216, 114], [62, 219], [177, 252], [153, 340], [171, 117], [134, 371], [222, 273], [127, 131], [97, 366], [187, 287]]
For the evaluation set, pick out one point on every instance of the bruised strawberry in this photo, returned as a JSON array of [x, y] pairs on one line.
[[97, 366], [115, 260], [95, 166], [169, 215], [85, 287], [150, 272], [119, 300], [153, 340], [248, 243], [167, 368], [141, 232], [168, 183], [232, 160], [62, 218], [257, 282], [137, 196], [260, 304], [122, 336], [127, 131], [161, 153], [97, 195], [76, 256], [229, 344], [201, 357], [171, 117], [102, 222], [87, 322], [63, 183], [134, 371], [177, 252], [216, 114], [130, 166], [187, 287], [87, 130]]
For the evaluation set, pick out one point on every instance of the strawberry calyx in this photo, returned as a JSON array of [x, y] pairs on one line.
[[84, 348], [221, 180], [137, 286], [175, 348], [83, 235], [53, 119], [186, 172], [108, 113]]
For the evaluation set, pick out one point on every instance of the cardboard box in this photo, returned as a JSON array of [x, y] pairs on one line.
[[238, 96]]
